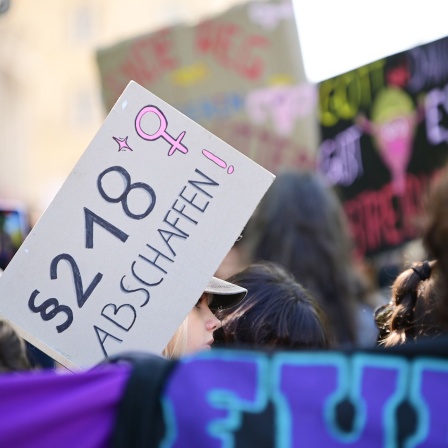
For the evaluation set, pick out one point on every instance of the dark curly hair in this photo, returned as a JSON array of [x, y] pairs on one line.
[[413, 309]]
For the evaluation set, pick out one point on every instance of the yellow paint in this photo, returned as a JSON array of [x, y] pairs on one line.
[[191, 74], [281, 80], [342, 97]]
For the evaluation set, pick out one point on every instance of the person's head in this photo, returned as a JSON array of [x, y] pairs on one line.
[[300, 224], [413, 311], [13, 355], [196, 331], [277, 312], [435, 237]]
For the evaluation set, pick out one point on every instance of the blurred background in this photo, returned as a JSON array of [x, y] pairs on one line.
[[359, 95]]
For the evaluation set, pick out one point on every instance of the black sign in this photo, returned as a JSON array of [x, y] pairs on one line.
[[384, 136]]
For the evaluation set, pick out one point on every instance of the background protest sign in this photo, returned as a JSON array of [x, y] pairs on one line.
[[128, 244], [384, 137], [239, 74]]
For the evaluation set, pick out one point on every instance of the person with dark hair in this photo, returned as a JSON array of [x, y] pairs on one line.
[[277, 313], [435, 236], [13, 354], [300, 224], [418, 309], [413, 310]]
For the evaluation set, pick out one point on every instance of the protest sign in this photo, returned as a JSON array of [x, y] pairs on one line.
[[130, 241], [239, 74], [384, 138]]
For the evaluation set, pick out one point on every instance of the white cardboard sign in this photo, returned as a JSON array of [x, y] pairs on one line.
[[130, 241]]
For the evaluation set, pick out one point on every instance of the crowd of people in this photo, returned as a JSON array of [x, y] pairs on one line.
[[296, 286], [301, 287]]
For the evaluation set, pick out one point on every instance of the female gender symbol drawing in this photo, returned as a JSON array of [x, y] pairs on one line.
[[175, 144], [161, 132]]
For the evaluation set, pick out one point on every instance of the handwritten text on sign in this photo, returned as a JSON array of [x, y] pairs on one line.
[[130, 241]]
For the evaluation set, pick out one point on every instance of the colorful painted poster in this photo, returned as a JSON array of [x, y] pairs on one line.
[[384, 136], [240, 75], [129, 243]]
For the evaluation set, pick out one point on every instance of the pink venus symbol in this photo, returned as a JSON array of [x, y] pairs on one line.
[[176, 144]]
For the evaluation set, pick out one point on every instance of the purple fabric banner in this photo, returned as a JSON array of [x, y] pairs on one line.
[[46, 409], [227, 398]]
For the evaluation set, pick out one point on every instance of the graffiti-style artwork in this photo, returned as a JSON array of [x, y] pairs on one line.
[[306, 399], [392, 126], [340, 158], [384, 136]]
